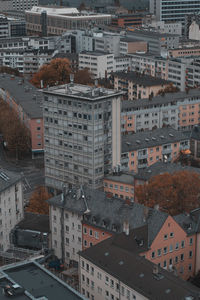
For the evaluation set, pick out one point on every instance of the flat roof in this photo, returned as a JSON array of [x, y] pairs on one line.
[[35, 222], [144, 80], [96, 53], [136, 272], [123, 177], [24, 94], [84, 92], [36, 282], [148, 139]]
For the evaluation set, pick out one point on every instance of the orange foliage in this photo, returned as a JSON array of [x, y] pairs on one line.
[[37, 203], [174, 193], [56, 72], [83, 77]]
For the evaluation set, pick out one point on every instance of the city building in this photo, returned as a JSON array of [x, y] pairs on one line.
[[99, 64], [27, 101], [137, 86], [59, 20], [195, 142], [128, 46], [157, 42], [82, 134], [121, 63], [10, 27], [194, 31], [127, 20], [113, 269], [163, 27], [173, 12], [184, 51], [179, 110], [120, 184], [30, 280], [32, 232], [143, 149], [11, 206]]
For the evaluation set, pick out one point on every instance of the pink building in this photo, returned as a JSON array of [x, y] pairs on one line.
[[27, 101], [144, 149]]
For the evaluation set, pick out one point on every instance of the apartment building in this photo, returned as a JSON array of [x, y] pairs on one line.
[[12, 205], [178, 110], [99, 64], [11, 27], [171, 28], [184, 51], [57, 20], [122, 63], [173, 11], [114, 270], [120, 184], [27, 101], [82, 134], [127, 20], [148, 64], [107, 42], [143, 149], [137, 86]]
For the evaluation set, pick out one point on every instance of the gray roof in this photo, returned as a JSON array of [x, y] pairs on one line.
[[96, 53], [136, 272], [109, 213], [124, 177], [150, 33], [8, 178], [162, 167], [147, 139], [141, 79], [34, 222], [195, 134], [128, 105], [36, 281], [23, 94]]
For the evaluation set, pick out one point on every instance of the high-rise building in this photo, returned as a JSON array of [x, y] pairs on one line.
[[82, 134], [173, 11]]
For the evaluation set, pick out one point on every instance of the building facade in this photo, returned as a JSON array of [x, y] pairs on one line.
[[82, 134]]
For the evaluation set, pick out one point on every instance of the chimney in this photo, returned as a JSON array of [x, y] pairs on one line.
[[71, 79], [126, 228]]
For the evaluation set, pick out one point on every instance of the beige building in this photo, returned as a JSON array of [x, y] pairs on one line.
[[194, 31], [139, 86], [128, 46]]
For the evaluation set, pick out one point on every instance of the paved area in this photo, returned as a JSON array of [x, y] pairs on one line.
[[32, 171]]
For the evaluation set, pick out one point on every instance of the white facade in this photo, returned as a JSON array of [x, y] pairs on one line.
[[194, 31], [171, 28], [122, 63], [66, 233], [11, 210], [97, 284], [99, 64]]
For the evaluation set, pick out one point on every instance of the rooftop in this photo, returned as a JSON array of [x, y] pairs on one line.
[[97, 53], [84, 92], [123, 177], [195, 134], [169, 98], [34, 222], [29, 280], [136, 272], [161, 168], [150, 33], [24, 94], [8, 178], [141, 79], [147, 139]]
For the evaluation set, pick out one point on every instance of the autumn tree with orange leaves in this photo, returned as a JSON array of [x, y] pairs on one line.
[[15, 133], [83, 77], [174, 193], [55, 73], [37, 202]]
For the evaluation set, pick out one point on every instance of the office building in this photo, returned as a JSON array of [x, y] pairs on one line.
[[59, 20], [173, 11], [82, 134]]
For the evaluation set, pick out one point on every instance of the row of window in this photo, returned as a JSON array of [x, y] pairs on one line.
[[121, 187]]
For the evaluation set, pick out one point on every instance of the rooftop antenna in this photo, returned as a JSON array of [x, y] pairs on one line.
[[87, 211]]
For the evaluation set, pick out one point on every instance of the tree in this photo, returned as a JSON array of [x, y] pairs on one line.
[[8, 70], [83, 77], [82, 6], [37, 202], [15, 133], [174, 193], [56, 72]]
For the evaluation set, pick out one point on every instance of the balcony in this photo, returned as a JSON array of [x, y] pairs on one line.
[[142, 166], [142, 155], [167, 151]]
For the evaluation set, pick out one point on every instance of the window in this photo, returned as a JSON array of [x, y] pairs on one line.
[[170, 261], [96, 234], [182, 256], [153, 254], [171, 234], [159, 252], [67, 241], [190, 254], [170, 248], [177, 246], [107, 280], [164, 264], [165, 237], [91, 233], [157, 149], [190, 267], [191, 241], [182, 244], [176, 259], [67, 228], [165, 250]]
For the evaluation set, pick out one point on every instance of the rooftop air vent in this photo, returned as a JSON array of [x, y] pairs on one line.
[[153, 138], [170, 134], [147, 140], [138, 141]]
